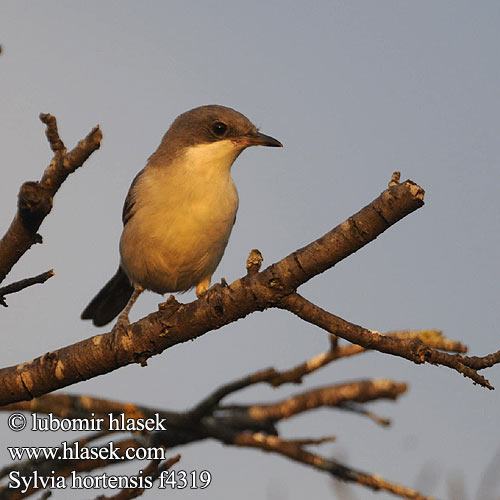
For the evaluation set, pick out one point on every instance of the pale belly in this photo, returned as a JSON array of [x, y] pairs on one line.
[[174, 246]]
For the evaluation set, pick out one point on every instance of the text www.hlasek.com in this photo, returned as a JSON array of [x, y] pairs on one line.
[[73, 451], [26, 479]]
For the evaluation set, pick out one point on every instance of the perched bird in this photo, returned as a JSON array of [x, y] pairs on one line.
[[179, 211]]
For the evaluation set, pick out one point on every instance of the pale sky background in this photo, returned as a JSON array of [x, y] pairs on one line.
[[354, 90]]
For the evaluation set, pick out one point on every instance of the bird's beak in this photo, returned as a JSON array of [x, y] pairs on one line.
[[258, 139]]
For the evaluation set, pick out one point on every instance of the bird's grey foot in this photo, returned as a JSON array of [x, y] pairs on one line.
[[122, 322]]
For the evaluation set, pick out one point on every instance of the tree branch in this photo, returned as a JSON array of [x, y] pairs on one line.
[[410, 349], [299, 454], [22, 284], [432, 338], [334, 395], [175, 323], [35, 198], [251, 425]]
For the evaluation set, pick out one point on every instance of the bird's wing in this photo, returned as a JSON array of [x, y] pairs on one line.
[[128, 206]]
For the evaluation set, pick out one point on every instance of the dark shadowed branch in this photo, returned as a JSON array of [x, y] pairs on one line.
[[297, 453], [243, 425]]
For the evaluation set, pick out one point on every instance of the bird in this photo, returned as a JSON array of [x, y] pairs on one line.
[[179, 211]]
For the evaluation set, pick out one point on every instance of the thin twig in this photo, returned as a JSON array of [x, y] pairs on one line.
[[355, 408], [22, 284], [312, 441], [410, 349]]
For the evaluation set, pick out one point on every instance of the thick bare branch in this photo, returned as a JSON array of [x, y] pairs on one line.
[[175, 323]]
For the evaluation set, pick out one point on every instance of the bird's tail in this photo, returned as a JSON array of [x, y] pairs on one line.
[[109, 302]]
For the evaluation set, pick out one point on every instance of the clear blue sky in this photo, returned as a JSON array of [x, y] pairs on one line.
[[354, 90]]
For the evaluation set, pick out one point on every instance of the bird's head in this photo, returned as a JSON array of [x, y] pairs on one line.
[[217, 134]]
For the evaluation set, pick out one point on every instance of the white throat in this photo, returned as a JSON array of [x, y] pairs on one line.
[[212, 158]]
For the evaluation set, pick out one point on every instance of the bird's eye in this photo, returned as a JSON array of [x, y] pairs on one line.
[[219, 129]]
